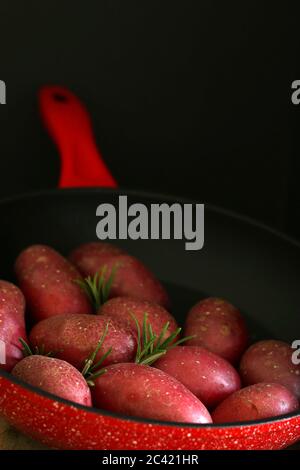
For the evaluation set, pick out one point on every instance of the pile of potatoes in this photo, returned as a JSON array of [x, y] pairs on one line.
[[124, 353]]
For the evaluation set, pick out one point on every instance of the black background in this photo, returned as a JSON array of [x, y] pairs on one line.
[[187, 97]]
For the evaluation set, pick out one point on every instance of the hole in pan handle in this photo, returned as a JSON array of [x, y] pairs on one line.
[[69, 125]]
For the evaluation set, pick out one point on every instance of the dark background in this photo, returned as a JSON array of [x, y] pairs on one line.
[[187, 97]]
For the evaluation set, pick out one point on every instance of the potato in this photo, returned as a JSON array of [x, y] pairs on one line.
[[47, 280], [139, 390], [219, 327], [12, 324], [122, 309], [271, 361], [74, 337], [88, 257], [259, 401], [208, 376], [54, 376], [132, 278]]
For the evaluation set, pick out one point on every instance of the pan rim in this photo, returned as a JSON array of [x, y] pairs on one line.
[[136, 419], [171, 198]]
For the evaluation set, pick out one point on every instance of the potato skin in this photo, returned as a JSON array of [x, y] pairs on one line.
[[259, 401], [219, 327], [121, 308], [139, 390], [47, 280], [74, 337], [12, 323], [208, 376], [88, 257], [132, 278], [54, 376], [271, 361]]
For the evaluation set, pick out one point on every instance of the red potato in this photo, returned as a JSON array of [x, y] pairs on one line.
[[89, 256], [122, 308], [271, 361], [139, 390], [132, 278], [12, 324], [54, 376], [217, 326], [208, 376], [259, 401], [47, 280], [74, 337]]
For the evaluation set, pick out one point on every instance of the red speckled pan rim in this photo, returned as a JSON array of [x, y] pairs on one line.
[[157, 196], [102, 412]]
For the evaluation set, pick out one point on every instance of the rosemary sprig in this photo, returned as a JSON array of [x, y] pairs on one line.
[[92, 370], [97, 287], [37, 351], [151, 347]]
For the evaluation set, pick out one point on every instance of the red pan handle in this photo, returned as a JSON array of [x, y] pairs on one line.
[[69, 124]]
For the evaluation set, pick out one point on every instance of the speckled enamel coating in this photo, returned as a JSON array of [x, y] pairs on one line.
[[65, 426]]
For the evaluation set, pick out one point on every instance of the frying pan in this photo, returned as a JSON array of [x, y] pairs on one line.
[[251, 265]]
